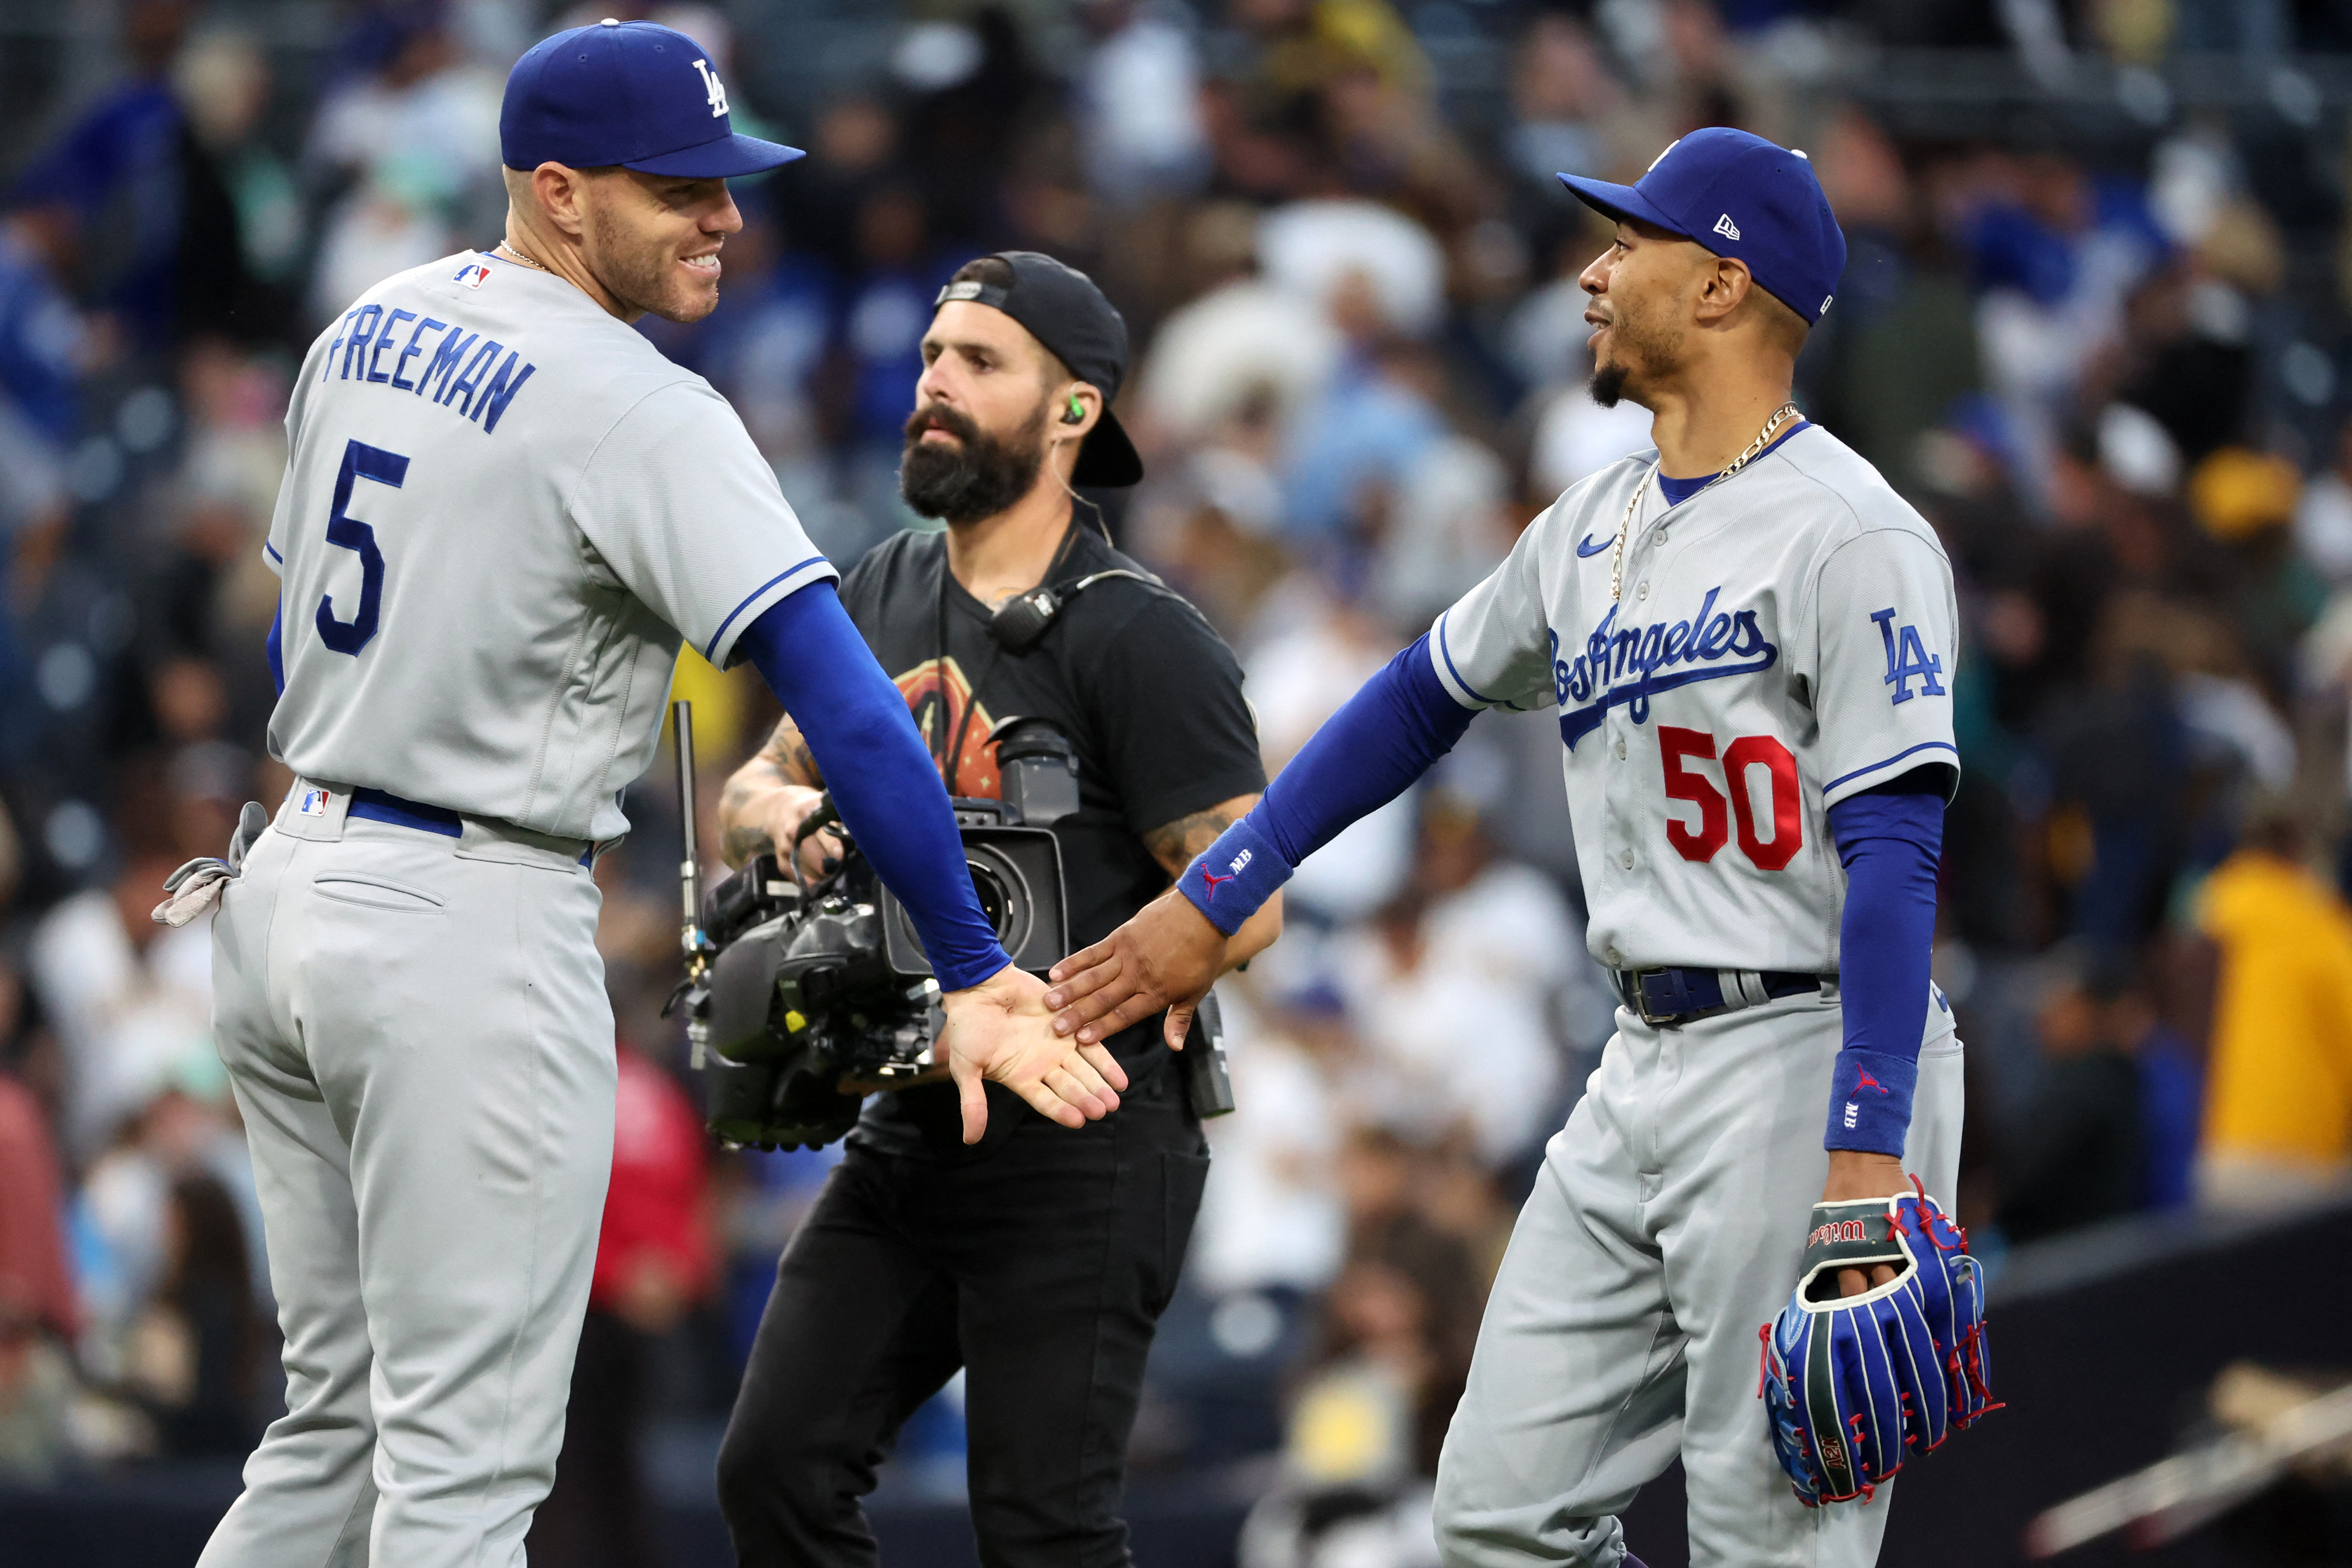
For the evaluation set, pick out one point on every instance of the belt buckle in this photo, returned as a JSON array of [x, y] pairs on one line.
[[1641, 999]]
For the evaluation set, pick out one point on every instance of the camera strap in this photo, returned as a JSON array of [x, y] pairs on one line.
[[950, 761]]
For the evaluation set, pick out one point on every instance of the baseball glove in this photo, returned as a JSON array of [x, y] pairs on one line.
[[1854, 1385]]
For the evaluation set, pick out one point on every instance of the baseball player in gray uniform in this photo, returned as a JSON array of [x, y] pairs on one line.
[[502, 511], [1747, 640]]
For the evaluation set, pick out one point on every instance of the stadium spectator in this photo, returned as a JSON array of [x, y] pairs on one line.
[[2078, 1157], [40, 1315], [2278, 1115], [195, 1351]]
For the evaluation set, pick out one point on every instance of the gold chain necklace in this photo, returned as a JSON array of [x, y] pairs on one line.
[[1781, 416], [518, 255]]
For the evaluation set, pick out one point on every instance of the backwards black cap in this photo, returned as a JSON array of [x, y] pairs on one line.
[[1064, 310]]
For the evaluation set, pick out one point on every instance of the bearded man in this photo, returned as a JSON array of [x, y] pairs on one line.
[[1037, 1261]]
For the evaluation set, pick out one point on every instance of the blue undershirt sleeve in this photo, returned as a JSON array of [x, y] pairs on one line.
[[882, 780], [1364, 756], [275, 647], [1889, 840]]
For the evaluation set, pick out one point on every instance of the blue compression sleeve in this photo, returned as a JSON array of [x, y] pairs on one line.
[[275, 647], [881, 778], [1363, 757], [1889, 844]]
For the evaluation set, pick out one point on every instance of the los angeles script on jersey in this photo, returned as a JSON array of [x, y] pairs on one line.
[[1629, 665], [456, 369]]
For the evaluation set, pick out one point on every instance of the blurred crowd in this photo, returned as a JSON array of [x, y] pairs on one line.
[[2116, 384]]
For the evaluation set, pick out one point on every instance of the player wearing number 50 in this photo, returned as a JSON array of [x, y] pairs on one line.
[[502, 511], [1746, 638]]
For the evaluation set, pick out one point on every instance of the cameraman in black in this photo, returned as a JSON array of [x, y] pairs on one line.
[[1039, 1259]]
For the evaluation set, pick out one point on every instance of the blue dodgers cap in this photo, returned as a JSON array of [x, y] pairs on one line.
[[1743, 198], [631, 93]]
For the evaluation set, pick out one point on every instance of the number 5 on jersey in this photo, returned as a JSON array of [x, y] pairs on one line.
[[1678, 748], [360, 461]]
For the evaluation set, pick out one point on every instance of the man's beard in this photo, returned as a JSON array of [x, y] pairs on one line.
[[978, 475], [1638, 358], [638, 274], [1609, 383]]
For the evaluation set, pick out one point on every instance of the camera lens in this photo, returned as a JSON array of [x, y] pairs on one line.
[[1003, 895], [996, 903]]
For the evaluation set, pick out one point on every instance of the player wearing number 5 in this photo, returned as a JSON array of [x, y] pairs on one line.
[[1747, 640], [502, 511]]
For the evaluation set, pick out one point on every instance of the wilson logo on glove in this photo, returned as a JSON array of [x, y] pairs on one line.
[[1840, 1230], [1855, 1385]]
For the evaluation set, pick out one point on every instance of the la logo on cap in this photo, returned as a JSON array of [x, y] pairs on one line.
[[713, 91]]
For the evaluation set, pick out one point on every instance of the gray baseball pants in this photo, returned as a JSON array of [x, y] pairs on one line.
[[416, 1029], [1665, 1229]]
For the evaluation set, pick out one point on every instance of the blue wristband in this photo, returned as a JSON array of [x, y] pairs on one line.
[[1870, 1100], [1231, 879]]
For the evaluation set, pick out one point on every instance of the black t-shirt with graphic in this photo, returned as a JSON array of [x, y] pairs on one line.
[[1151, 698]]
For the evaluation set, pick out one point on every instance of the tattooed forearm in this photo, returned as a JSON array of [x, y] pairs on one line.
[[1173, 844], [788, 752], [784, 760]]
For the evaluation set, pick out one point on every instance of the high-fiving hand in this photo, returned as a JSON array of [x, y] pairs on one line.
[[999, 1030], [1166, 955]]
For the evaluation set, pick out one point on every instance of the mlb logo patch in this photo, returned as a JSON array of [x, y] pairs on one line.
[[314, 802], [472, 274]]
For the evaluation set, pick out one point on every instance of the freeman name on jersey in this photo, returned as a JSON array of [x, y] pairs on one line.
[[369, 330]]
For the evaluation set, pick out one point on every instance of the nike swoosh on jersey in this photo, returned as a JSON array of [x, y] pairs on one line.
[[1586, 547]]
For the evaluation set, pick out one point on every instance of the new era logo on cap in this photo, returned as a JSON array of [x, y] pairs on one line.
[[1725, 228]]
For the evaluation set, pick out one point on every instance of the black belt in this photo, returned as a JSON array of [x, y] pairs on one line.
[[1666, 997]]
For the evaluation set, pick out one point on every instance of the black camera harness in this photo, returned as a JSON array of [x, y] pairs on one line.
[[1016, 625]]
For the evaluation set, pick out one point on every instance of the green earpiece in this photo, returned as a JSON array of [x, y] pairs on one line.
[[1078, 411]]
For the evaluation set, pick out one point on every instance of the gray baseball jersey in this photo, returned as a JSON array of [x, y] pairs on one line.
[[1784, 640], [502, 511]]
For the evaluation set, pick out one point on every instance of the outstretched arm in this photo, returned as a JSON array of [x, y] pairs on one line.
[[1175, 845], [1364, 756]]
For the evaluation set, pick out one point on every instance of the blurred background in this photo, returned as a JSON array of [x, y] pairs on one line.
[[2096, 325]]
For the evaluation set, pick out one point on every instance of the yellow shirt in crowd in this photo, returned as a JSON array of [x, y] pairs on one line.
[[2279, 1071]]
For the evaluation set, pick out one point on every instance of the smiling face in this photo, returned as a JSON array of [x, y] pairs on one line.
[[652, 241], [1644, 288]]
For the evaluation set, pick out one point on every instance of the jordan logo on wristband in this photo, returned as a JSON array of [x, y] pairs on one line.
[[1211, 879], [1863, 1080]]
